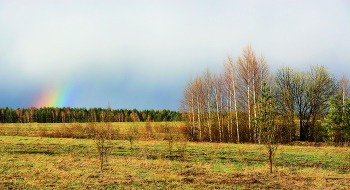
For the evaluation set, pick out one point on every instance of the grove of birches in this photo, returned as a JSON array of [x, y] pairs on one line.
[[247, 103], [244, 103]]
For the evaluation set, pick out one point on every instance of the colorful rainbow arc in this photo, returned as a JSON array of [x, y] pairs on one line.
[[57, 96]]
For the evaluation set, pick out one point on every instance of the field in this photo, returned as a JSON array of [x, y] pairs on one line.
[[40, 129], [30, 161]]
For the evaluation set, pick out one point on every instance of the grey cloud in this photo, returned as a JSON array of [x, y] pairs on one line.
[[155, 46]]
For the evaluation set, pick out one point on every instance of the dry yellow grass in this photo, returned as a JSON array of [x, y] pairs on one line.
[[54, 163]]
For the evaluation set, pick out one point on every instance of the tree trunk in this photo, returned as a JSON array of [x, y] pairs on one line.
[[209, 118], [270, 159], [199, 119], [222, 117], [250, 134], [217, 112], [254, 92], [234, 97], [231, 118], [192, 107]]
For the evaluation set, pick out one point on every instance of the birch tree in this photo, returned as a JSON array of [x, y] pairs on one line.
[[230, 76], [345, 86], [187, 106], [208, 91], [251, 71]]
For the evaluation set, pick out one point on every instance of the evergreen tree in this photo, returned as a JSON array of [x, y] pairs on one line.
[[337, 122], [9, 115], [265, 122]]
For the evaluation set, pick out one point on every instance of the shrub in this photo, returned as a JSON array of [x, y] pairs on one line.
[[171, 136], [132, 134], [103, 142]]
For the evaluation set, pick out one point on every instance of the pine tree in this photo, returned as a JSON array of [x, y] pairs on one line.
[[337, 122], [265, 122]]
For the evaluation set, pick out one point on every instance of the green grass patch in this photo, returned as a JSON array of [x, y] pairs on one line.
[[63, 163]]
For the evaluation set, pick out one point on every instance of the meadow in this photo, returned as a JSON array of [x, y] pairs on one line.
[[28, 160]]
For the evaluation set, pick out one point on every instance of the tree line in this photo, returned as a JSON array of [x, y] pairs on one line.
[[223, 107], [83, 115]]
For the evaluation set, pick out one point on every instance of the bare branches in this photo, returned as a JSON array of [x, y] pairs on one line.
[[344, 84], [251, 72], [212, 102]]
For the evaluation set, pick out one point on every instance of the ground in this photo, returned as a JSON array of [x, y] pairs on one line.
[[66, 163]]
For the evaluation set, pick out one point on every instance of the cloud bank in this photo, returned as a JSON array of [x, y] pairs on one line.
[[139, 54]]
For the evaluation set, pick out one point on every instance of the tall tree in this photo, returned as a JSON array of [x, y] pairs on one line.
[[198, 92], [187, 106], [321, 88], [219, 103], [230, 79], [19, 113], [251, 72], [208, 92], [288, 84], [306, 94], [345, 86]]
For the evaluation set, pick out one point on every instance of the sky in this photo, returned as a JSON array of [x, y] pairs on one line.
[[140, 54]]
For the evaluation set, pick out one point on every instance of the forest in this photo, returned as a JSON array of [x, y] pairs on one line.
[[83, 115], [308, 105]]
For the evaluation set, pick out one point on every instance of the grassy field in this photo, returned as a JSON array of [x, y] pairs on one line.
[[78, 130], [65, 163]]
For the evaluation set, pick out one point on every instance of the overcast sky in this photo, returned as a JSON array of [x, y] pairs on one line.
[[139, 54]]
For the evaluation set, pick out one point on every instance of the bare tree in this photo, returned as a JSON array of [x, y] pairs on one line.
[[322, 86], [57, 111], [102, 141], [119, 117], [211, 103], [208, 91], [134, 117], [19, 113], [68, 112], [218, 101], [286, 87], [83, 114], [252, 71], [109, 124], [305, 94], [132, 134], [228, 96], [31, 112], [102, 116], [230, 72], [63, 115], [148, 127], [345, 86], [74, 116], [198, 91], [27, 116], [187, 106]]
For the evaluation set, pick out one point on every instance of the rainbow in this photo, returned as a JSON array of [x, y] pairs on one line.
[[56, 96]]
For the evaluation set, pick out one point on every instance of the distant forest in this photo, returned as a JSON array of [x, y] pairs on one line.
[[83, 115]]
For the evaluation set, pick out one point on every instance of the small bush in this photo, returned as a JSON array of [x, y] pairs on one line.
[[148, 128], [102, 139], [185, 130], [171, 136], [132, 134]]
